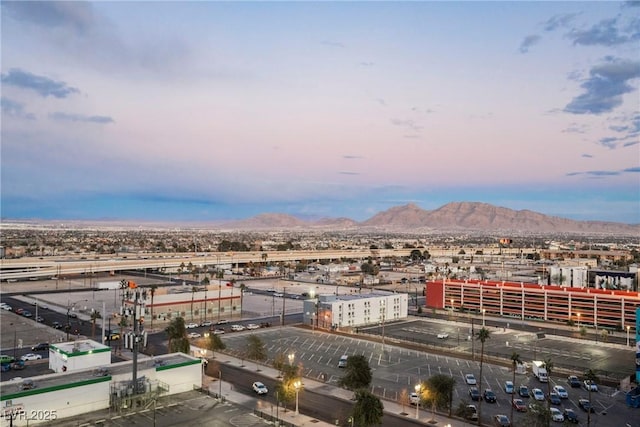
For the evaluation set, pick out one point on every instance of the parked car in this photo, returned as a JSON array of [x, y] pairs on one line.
[[191, 325], [5, 306], [414, 398], [554, 398], [30, 356], [5, 358], [40, 347], [19, 310], [523, 391], [502, 421], [27, 313], [508, 387], [470, 379], [471, 412], [206, 323], [573, 381], [252, 326], [39, 319], [586, 405], [489, 396], [342, 363], [443, 335], [561, 391], [537, 394], [56, 325], [556, 414], [260, 388], [474, 393], [590, 385], [218, 331], [73, 315], [570, 415], [222, 322], [192, 335], [237, 328], [518, 405]]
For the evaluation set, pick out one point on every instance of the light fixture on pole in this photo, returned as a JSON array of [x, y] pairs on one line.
[[483, 311], [291, 356], [628, 328], [297, 387]]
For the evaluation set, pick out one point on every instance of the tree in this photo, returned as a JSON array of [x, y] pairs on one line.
[[368, 409], [403, 399], [515, 361], [255, 350], [286, 388], [591, 376], [548, 366], [177, 332], [415, 255], [213, 342], [441, 390], [357, 373], [95, 315], [482, 336]]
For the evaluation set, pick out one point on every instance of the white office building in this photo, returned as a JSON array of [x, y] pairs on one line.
[[350, 311]]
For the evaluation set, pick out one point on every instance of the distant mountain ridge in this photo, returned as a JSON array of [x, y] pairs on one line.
[[452, 216]]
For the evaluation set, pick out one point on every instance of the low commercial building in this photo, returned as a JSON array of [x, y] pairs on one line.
[[355, 310], [94, 386]]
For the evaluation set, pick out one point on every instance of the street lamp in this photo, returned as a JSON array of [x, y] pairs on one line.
[[418, 389], [628, 327], [297, 387], [578, 320], [483, 311], [69, 307]]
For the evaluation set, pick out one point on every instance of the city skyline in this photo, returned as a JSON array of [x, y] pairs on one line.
[[197, 111]]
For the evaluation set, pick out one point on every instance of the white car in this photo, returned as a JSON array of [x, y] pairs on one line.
[[218, 331], [556, 415], [260, 388], [191, 325], [193, 335], [561, 392], [5, 306], [253, 326], [537, 394], [413, 398], [470, 379], [590, 385], [30, 356], [443, 335], [237, 328]]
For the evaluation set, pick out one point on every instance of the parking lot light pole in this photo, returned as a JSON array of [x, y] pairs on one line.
[[297, 387], [628, 328]]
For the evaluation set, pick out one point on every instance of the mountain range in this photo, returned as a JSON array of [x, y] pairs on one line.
[[456, 216]]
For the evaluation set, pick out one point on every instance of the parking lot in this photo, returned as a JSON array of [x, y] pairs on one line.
[[397, 370]]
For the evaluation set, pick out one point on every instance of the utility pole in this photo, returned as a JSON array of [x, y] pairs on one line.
[[133, 339]]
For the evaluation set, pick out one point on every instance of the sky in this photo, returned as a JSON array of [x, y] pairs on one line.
[[208, 111]]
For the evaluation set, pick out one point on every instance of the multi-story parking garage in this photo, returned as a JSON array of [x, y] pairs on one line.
[[581, 306]]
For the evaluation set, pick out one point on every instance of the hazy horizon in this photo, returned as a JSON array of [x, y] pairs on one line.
[[213, 111]]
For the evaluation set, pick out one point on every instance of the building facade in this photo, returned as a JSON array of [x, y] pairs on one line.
[[350, 311], [582, 306]]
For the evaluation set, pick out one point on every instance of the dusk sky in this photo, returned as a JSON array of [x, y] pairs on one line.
[[197, 111]]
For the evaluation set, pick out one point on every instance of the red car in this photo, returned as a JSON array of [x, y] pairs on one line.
[[518, 405]]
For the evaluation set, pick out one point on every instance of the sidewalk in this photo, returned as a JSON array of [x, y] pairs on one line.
[[390, 407]]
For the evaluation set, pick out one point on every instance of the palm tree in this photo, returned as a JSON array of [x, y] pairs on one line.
[[94, 316], [592, 378], [482, 336], [515, 360], [548, 366], [368, 410]]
